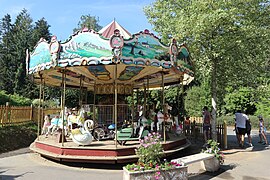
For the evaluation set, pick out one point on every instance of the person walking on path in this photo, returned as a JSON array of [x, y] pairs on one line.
[[241, 126], [248, 129], [206, 123], [262, 131]]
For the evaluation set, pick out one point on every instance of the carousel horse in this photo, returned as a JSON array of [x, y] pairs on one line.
[[83, 136]]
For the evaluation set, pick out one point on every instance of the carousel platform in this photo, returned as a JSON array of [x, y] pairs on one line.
[[104, 152]]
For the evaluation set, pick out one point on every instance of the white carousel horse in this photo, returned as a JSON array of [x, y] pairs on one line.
[[82, 136]]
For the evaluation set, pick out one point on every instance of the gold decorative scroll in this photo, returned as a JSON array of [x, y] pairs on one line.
[[109, 89]]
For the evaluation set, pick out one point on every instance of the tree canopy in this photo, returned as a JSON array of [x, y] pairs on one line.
[[88, 21], [229, 40]]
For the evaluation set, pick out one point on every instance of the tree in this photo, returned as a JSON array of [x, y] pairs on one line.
[[242, 98], [41, 30], [6, 54], [196, 98], [21, 34], [88, 21], [223, 37]]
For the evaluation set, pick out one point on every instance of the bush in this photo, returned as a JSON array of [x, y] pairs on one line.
[[14, 100]]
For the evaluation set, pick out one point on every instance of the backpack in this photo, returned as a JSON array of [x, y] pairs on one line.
[[248, 125]]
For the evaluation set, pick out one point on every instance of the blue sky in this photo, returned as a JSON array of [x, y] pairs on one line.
[[64, 15]]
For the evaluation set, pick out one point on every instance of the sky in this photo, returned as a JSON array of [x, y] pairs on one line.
[[64, 15]]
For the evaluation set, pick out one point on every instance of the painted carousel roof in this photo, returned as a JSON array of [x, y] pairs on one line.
[[94, 60]]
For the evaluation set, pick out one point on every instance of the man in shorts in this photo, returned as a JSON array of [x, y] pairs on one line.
[[241, 126]]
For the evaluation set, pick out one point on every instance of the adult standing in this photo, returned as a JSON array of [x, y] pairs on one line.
[[248, 129], [241, 126], [206, 123]]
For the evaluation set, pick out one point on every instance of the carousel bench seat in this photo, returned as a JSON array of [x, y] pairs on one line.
[[126, 134]]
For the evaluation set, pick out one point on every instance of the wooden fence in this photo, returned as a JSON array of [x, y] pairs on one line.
[[195, 131], [16, 114]]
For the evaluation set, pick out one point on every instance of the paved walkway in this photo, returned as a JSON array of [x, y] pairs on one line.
[[250, 163]]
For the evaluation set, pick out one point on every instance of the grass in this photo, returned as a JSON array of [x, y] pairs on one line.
[[17, 136]]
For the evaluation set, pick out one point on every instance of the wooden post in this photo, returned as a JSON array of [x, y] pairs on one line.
[[31, 112]]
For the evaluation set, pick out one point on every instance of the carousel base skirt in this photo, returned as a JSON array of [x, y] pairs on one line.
[[105, 152]]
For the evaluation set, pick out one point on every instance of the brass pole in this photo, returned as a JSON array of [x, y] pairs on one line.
[[163, 103], [94, 106], [80, 97], [144, 100], [43, 99], [63, 103], [148, 94], [39, 104], [115, 103], [132, 120]]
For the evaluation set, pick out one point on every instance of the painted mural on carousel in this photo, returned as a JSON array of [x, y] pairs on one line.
[[41, 55], [86, 44], [87, 48]]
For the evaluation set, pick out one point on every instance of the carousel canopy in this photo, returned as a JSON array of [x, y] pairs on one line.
[[108, 30], [90, 59]]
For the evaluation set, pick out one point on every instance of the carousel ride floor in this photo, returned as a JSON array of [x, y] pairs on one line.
[[104, 151]]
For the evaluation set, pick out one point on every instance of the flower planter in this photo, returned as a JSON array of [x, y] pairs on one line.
[[210, 165], [175, 173]]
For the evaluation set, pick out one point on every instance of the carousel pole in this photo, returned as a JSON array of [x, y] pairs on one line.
[[94, 104], [148, 92], [39, 104], [63, 96], [80, 97], [137, 97], [144, 100], [43, 99], [182, 94], [163, 102], [115, 103], [132, 120]]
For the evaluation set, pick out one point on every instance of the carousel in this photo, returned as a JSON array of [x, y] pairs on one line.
[[112, 64]]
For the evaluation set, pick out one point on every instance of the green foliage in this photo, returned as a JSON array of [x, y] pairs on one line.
[[240, 99], [17, 100], [149, 152], [48, 103], [212, 148], [220, 35], [15, 39], [196, 98], [88, 21], [263, 103], [150, 149], [14, 100]]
